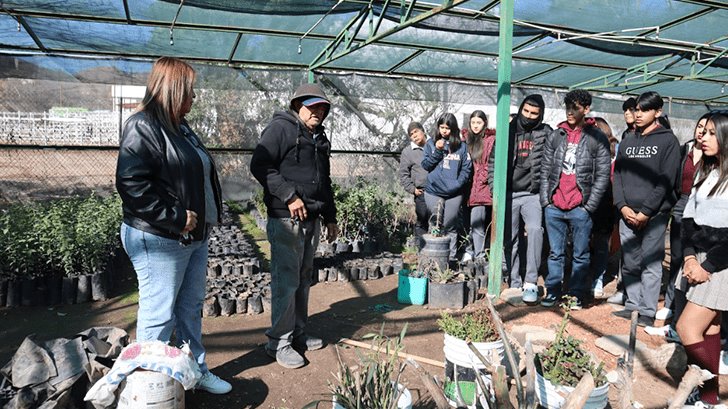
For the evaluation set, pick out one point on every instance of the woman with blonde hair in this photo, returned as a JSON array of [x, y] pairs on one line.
[[171, 198]]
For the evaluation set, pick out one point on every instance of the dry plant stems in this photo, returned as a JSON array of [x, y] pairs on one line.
[[373, 384], [564, 362], [436, 229], [488, 367], [438, 396], [507, 348], [577, 398], [500, 386], [693, 378], [530, 402]]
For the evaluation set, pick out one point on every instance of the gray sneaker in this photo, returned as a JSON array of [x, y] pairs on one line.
[[286, 357], [307, 343]]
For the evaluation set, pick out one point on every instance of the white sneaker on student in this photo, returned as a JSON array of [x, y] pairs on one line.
[[530, 293], [663, 314], [723, 368], [466, 257]]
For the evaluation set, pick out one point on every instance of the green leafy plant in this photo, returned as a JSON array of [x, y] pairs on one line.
[[67, 236], [259, 203], [475, 327], [366, 211], [372, 383], [235, 207], [564, 362]]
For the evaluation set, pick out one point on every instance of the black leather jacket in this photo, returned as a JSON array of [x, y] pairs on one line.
[[593, 166], [159, 176]]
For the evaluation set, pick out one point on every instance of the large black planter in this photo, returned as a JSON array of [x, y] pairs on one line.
[[55, 282], [68, 290], [446, 295], [100, 287], [3, 292], [83, 290], [27, 292], [436, 250], [13, 297]]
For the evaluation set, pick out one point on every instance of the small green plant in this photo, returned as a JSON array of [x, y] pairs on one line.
[[372, 383], [564, 362], [259, 203], [475, 327], [235, 207]]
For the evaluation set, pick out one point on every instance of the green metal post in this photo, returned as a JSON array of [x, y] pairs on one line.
[[505, 53], [311, 79]]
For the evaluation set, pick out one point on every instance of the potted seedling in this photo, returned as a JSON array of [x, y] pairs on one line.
[[461, 364], [561, 366], [446, 288], [437, 245]]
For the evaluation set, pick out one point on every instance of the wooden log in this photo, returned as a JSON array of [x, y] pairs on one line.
[[402, 355], [632, 344], [577, 398], [623, 386], [693, 378], [436, 393], [507, 348], [531, 401], [500, 386]]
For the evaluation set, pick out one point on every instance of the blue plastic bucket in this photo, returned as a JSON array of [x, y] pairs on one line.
[[411, 290]]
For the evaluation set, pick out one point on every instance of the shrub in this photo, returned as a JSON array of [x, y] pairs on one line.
[[66, 236], [564, 362], [475, 327]]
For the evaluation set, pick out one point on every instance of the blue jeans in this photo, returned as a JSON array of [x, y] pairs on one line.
[[171, 288], [292, 247], [557, 224]]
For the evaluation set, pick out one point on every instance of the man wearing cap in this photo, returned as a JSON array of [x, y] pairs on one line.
[[413, 178], [291, 161]]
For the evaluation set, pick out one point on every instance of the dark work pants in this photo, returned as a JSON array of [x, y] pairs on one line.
[[675, 299], [422, 224]]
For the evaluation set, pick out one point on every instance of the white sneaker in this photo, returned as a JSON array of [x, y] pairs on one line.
[[663, 314], [723, 369], [530, 293], [213, 384], [466, 257]]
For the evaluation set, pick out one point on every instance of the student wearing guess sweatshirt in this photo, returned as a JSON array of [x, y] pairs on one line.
[[644, 175], [574, 178], [447, 160]]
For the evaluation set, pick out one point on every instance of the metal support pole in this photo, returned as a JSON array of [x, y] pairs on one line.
[[505, 53]]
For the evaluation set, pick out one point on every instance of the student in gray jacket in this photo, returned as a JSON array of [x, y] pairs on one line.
[[413, 178]]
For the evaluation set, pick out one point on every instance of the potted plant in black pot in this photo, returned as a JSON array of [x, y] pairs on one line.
[[561, 366], [446, 288]]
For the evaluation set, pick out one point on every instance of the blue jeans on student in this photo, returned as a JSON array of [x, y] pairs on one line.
[[171, 288], [292, 247], [558, 223]]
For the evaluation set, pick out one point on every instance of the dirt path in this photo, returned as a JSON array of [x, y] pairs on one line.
[[235, 352]]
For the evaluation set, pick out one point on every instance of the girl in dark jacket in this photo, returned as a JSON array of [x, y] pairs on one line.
[[480, 201], [447, 160]]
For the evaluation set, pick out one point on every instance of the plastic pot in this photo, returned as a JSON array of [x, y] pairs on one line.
[[404, 401], [411, 290], [446, 295], [461, 366], [550, 395]]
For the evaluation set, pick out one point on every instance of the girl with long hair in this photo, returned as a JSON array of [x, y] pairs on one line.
[[447, 160], [705, 258], [480, 201]]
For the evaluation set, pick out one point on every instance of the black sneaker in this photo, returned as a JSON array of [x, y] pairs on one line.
[[645, 321], [549, 300], [625, 313]]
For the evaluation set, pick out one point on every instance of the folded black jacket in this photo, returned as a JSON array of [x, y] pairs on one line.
[[159, 176]]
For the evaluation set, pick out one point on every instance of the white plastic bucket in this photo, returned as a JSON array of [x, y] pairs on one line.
[[150, 390], [404, 401], [553, 396], [459, 359]]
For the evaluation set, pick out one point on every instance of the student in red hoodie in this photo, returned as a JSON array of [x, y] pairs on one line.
[[574, 178], [480, 201]]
